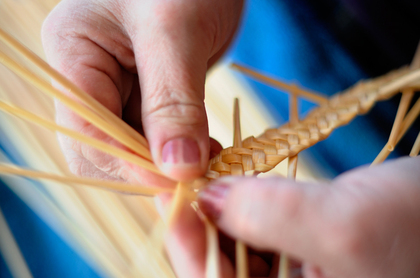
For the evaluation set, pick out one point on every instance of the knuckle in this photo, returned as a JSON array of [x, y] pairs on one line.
[[169, 13], [56, 27], [177, 112]]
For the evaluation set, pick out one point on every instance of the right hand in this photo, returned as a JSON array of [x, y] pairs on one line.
[[146, 61]]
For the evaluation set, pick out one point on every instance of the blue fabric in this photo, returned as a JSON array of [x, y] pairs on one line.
[[4, 271], [46, 254]]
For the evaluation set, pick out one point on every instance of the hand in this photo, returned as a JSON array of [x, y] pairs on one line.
[[146, 61], [186, 246], [365, 223]]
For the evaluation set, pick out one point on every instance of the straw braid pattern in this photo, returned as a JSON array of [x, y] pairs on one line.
[[262, 153]]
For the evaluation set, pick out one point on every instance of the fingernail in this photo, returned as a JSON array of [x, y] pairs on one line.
[[211, 200], [181, 151]]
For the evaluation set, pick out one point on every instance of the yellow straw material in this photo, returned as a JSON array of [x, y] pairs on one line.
[[403, 82], [406, 124], [109, 185], [84, 112], [237, 137], [291, 174], [237, 170], [117, 152], [416, 147], [292, 89], [70, 87], [212, 252], [241, 260], [406, 98], [180, 199], [10, 251]]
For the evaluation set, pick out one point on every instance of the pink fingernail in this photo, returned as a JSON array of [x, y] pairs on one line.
[[211, 200], [181, 151]]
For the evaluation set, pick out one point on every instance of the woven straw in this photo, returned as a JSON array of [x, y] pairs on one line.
[[263, 153], [120, 232]]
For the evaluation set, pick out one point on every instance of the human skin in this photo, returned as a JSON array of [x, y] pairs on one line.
[[146, 61], [365, 223]]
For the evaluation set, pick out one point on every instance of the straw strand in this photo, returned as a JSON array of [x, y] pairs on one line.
[[100, 145], [416, 147], [8, 169], [262, 153], [406, 98], [70, 87], [292, 89], [10, 251], [90, 116]]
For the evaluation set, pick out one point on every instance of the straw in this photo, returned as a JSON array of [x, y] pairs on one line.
[[416, 147], [109, 149], [406, 98], [10, 251], [406, 124], [310, 95], [262, 153], [70, 87], [237, 137], [284, 265], [212, 252], [180, 198], [81, 110], [109, 185], [240, 247], [273, 146], [76, 207], [241, 260], [403, 82]]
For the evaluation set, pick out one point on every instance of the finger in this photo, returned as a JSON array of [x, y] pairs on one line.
[[312, 271], [272, 214], [257, 266], [172, 57], [357, 216], [215, 148], [186, 245], [75, 48]]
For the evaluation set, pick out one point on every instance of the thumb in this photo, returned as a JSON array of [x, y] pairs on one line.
[[273, 214], [172, 64]]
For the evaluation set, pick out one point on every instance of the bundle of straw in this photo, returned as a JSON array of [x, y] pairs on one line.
[[114, 233]]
